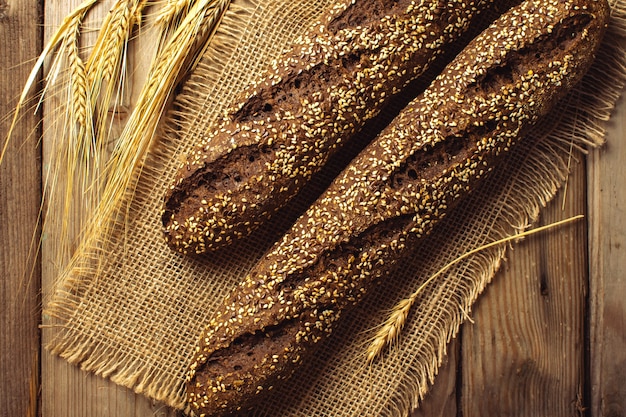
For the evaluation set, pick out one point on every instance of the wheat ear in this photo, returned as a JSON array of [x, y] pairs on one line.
[[73, 151], [78, 76], [389, 331], [112, 38]]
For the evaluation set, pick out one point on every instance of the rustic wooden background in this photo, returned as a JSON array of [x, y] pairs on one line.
[[548, 338]]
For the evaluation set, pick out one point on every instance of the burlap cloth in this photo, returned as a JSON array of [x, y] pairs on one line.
[[131, 310]]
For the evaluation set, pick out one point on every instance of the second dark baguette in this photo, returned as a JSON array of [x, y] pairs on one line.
[[422, 165]]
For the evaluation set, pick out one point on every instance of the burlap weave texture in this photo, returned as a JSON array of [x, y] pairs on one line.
[[132, 310]]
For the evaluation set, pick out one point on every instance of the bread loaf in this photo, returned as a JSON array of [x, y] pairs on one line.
[[434, 153], [313, 100]]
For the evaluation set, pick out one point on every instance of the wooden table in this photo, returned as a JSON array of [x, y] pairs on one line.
[[548, 338]]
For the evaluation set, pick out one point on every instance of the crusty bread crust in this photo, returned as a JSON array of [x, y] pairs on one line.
[[437, 150], [312, 102]]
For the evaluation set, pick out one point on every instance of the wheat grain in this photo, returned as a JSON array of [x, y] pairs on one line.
[[115, 44], [390, 330], [4, 8], [104, 65], [170, 18], [69, 154]]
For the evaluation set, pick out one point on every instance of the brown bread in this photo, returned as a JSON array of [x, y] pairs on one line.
[[411, 176], [313, 101]]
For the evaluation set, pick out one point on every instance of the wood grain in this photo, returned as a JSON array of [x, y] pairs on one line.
[[549, 335], [20, 42], [525, 354], [607, 207]]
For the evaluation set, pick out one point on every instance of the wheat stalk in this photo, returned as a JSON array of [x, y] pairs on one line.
[[136, 138], [390, 330], [106, 67], [104, 61], [72, 150], [57, 39], [78, 76]]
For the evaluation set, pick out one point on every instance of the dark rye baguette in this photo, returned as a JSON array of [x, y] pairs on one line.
[[437, 150], [311, 102]]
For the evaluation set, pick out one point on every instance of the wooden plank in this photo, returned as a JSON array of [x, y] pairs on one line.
[[19, 206], [67, 390], [525, 354], [607, 200]]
